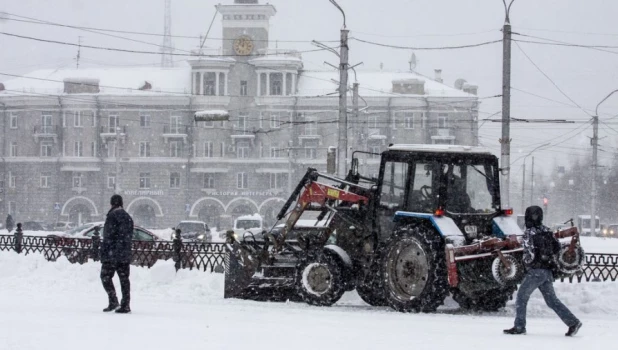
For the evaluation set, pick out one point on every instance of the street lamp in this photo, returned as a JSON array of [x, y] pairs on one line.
[[595, 144]]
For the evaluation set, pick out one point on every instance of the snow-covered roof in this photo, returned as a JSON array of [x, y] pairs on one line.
[[112, 81], [372, 83], [438, 148]]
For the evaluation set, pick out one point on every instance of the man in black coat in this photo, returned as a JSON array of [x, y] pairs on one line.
[[540, 249], [116, 255]]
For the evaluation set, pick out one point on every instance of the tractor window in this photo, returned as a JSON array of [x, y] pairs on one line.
[[422, 197], [477, 188], [394, 185]]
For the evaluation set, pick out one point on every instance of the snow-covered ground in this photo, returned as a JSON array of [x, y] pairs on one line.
[[58, 305]]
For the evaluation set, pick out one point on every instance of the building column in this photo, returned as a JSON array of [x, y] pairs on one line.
[[216, 83], [259, 83], [201, 75], [268, 84], [293, 90], [225, 84], [285, 79]]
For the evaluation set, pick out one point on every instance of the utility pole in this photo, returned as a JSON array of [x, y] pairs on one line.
[[523, 188], [117, 151], [79, 50], [595, 143], [532, 182], [505, 141], [342, 149], [355, 110]]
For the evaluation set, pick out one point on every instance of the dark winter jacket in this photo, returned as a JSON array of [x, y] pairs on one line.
[[117, 237], [9, 223], [540, 245]]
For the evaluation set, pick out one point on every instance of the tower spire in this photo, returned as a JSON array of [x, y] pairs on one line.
[[167, 48]]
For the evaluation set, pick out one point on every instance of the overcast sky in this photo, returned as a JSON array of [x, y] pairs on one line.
[[584, 75]]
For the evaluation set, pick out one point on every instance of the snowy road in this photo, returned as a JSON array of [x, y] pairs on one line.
[[57, 306]]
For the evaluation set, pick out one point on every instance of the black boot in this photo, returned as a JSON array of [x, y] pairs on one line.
[[113, 305], [515, 330], [574, 329], [124, 309]]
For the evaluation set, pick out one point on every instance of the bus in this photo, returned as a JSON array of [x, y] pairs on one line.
[[583, 225]]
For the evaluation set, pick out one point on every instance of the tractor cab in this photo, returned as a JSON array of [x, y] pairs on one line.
[[438, 182]]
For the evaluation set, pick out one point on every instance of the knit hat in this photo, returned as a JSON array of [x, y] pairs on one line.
[[116, 201]]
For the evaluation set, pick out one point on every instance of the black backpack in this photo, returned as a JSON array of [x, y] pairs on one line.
[[546, 249]]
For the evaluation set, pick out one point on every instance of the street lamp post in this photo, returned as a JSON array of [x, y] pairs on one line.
[[523, 186], [595, 145]]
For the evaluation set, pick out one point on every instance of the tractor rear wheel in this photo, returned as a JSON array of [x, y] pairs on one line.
[[414, 270], [488, 300], [320, 280]]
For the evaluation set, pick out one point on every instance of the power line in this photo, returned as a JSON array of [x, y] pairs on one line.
[[550, 80], [136, 51], [424, 35], [427, 48], [42, 22]]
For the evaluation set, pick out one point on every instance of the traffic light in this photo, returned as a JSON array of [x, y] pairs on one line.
[[545, 201]]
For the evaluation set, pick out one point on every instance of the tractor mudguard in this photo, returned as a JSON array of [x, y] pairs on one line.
[[445, 226], [504, 226]]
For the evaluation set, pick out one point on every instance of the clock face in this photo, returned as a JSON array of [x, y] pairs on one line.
[[243, 46]]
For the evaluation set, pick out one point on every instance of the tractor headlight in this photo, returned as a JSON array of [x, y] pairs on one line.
[[201, 237]]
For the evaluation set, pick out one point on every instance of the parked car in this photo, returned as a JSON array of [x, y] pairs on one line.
[[146, 238], [246, 224], [63, 226], [33, 226], [194, 231]]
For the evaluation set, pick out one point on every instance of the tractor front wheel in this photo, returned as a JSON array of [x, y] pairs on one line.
[[414, 270], [320, 280]]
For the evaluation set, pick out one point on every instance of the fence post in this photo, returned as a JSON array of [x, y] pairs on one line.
[[19, 237], [96, 244], [177, 246]]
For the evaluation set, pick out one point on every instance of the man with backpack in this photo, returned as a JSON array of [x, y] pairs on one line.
[[540, 251]]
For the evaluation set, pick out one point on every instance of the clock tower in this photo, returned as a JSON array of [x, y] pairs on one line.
[[245, 28]]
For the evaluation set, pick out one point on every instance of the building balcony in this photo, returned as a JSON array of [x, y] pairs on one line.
[[46, 132], [174, 132], [242, 134], [444, 133], [109, 133]]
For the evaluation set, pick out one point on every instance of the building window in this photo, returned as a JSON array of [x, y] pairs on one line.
[[276, 84], [13, 149], [174, 180], [45, 180], [175, 149], [277, 180], [77, 119], [46, 123], [144, 121], [243, 88], [210, 81], [443, 120], [311, 126], [241, 126], [12, 180], [409, 121], [78, 180], [144, 180], [209, 181], [375, 150], [275, 121], [208, 149], [111, 149], [242, 150], [93, 149], [241, 180], [112, 124], [46, 149], [144, 149], [221, 84], [196, 81], [77, 149], [263, 87], [111, 180], [275, 151], [93, 119], [175, 124], [13, 119], [222, 149]]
